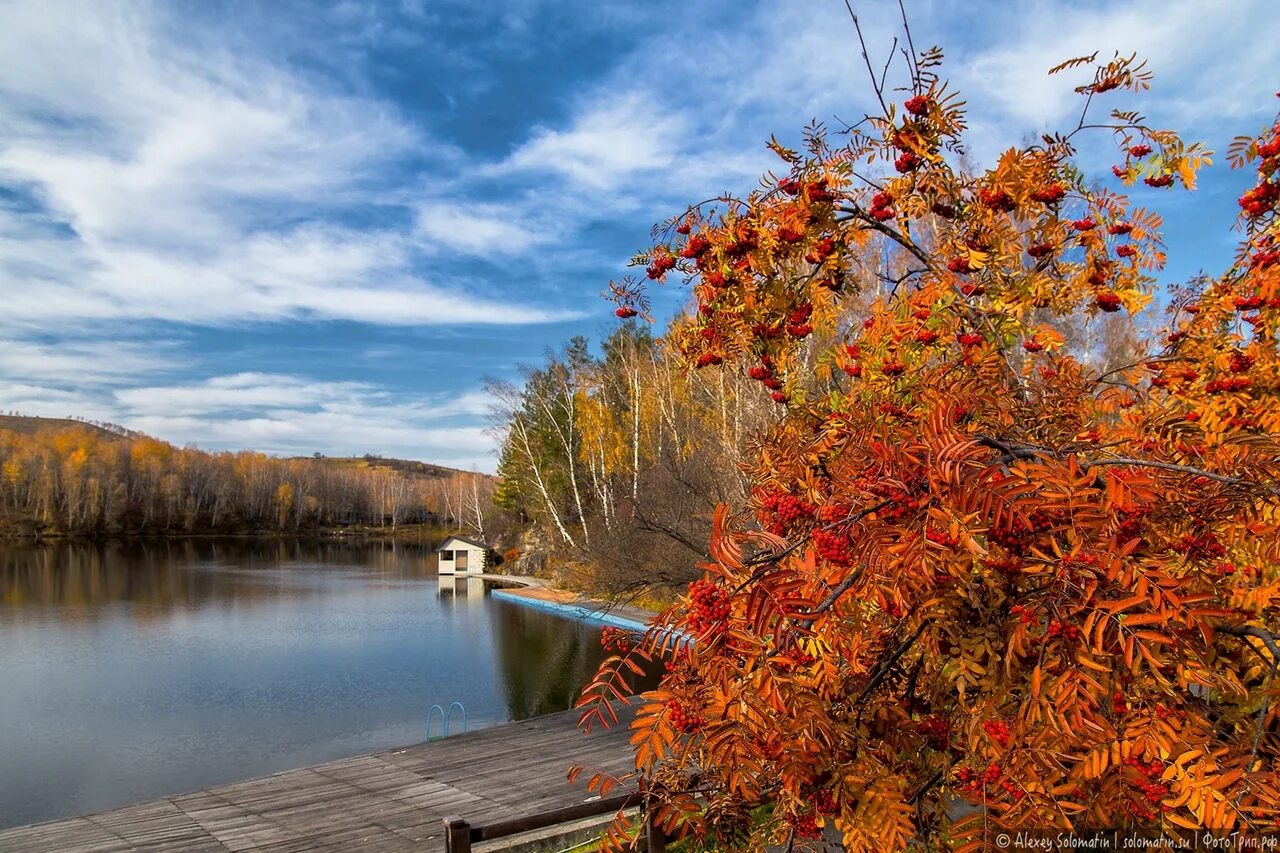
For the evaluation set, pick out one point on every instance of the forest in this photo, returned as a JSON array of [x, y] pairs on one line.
[[70, 478]]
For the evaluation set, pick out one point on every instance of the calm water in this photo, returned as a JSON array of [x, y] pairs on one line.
[[133, 671]]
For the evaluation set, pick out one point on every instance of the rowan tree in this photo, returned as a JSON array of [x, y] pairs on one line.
[[979, 585]]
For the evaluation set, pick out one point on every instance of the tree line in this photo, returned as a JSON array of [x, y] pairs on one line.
[[85, 480]]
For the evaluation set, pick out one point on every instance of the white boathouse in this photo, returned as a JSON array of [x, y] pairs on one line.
[[461, 555]]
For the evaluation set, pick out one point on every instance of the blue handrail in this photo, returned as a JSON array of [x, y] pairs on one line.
[[461, 708], [445, 717], [444, 721]]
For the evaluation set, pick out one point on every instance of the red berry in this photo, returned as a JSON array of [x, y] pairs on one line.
[[1051, 194], [917, 105]]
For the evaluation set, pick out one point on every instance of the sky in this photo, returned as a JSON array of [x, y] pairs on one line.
[[300, 226]]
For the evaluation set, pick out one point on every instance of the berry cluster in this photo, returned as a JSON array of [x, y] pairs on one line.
[[659, 265], [1032, 345], [1026, 615], [1119, 705], [1058, 628], [824, 802], [834, 547], [682, 719], [1159, 181], [798, 321], [959, 265], [790, 234], [695, 247], [1267, 253], [940, 537], [1126, 251], [763, 373], [1075, 566], [998, 731], [1039, 250], [1016, 535], [1005, 565], [969, 339], [997, 200], [907, 162], [1108, 301], [917, 105], [1241, 362], [882, 206], [787, 510], [709, 606], [1132, 525], [1202, 546], [980, 786], [794, 659], [626, 312], [1260, 199], [805, 825], [1231, 383], [1050, 194], [1146, 778], [821, 250], [936, 731]]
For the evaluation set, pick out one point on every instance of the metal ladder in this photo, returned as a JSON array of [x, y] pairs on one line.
[[445, 717]]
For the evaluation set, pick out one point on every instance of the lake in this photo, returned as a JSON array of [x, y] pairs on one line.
[[134, 670]]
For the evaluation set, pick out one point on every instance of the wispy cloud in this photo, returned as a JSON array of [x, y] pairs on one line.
[[283, 414], [202, 187]]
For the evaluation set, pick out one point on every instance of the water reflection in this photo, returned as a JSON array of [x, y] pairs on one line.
[[133, 670]]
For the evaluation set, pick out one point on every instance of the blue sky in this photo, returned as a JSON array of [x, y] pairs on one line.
[[297, 226]]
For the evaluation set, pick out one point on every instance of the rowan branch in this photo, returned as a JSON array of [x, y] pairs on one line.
[[1021, 450], [1179, 469], [1269, 639], [886, 665], [867, 57]]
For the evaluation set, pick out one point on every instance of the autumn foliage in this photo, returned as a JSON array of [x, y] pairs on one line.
[[978, 585]]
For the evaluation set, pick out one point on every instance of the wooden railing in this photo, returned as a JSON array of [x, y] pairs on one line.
[[459, 834]]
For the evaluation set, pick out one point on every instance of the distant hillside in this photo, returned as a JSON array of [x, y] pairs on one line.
[[405, 467], [29, 425], [26, 425]]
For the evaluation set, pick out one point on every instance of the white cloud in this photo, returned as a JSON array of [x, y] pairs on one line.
[[610, 140], [189, 182], [292, 415], [480, 229], [96, 361]]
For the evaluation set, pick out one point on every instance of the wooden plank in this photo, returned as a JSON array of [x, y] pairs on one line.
[[384, 802]]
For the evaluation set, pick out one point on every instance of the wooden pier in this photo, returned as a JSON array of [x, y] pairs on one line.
[[388, 801]]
